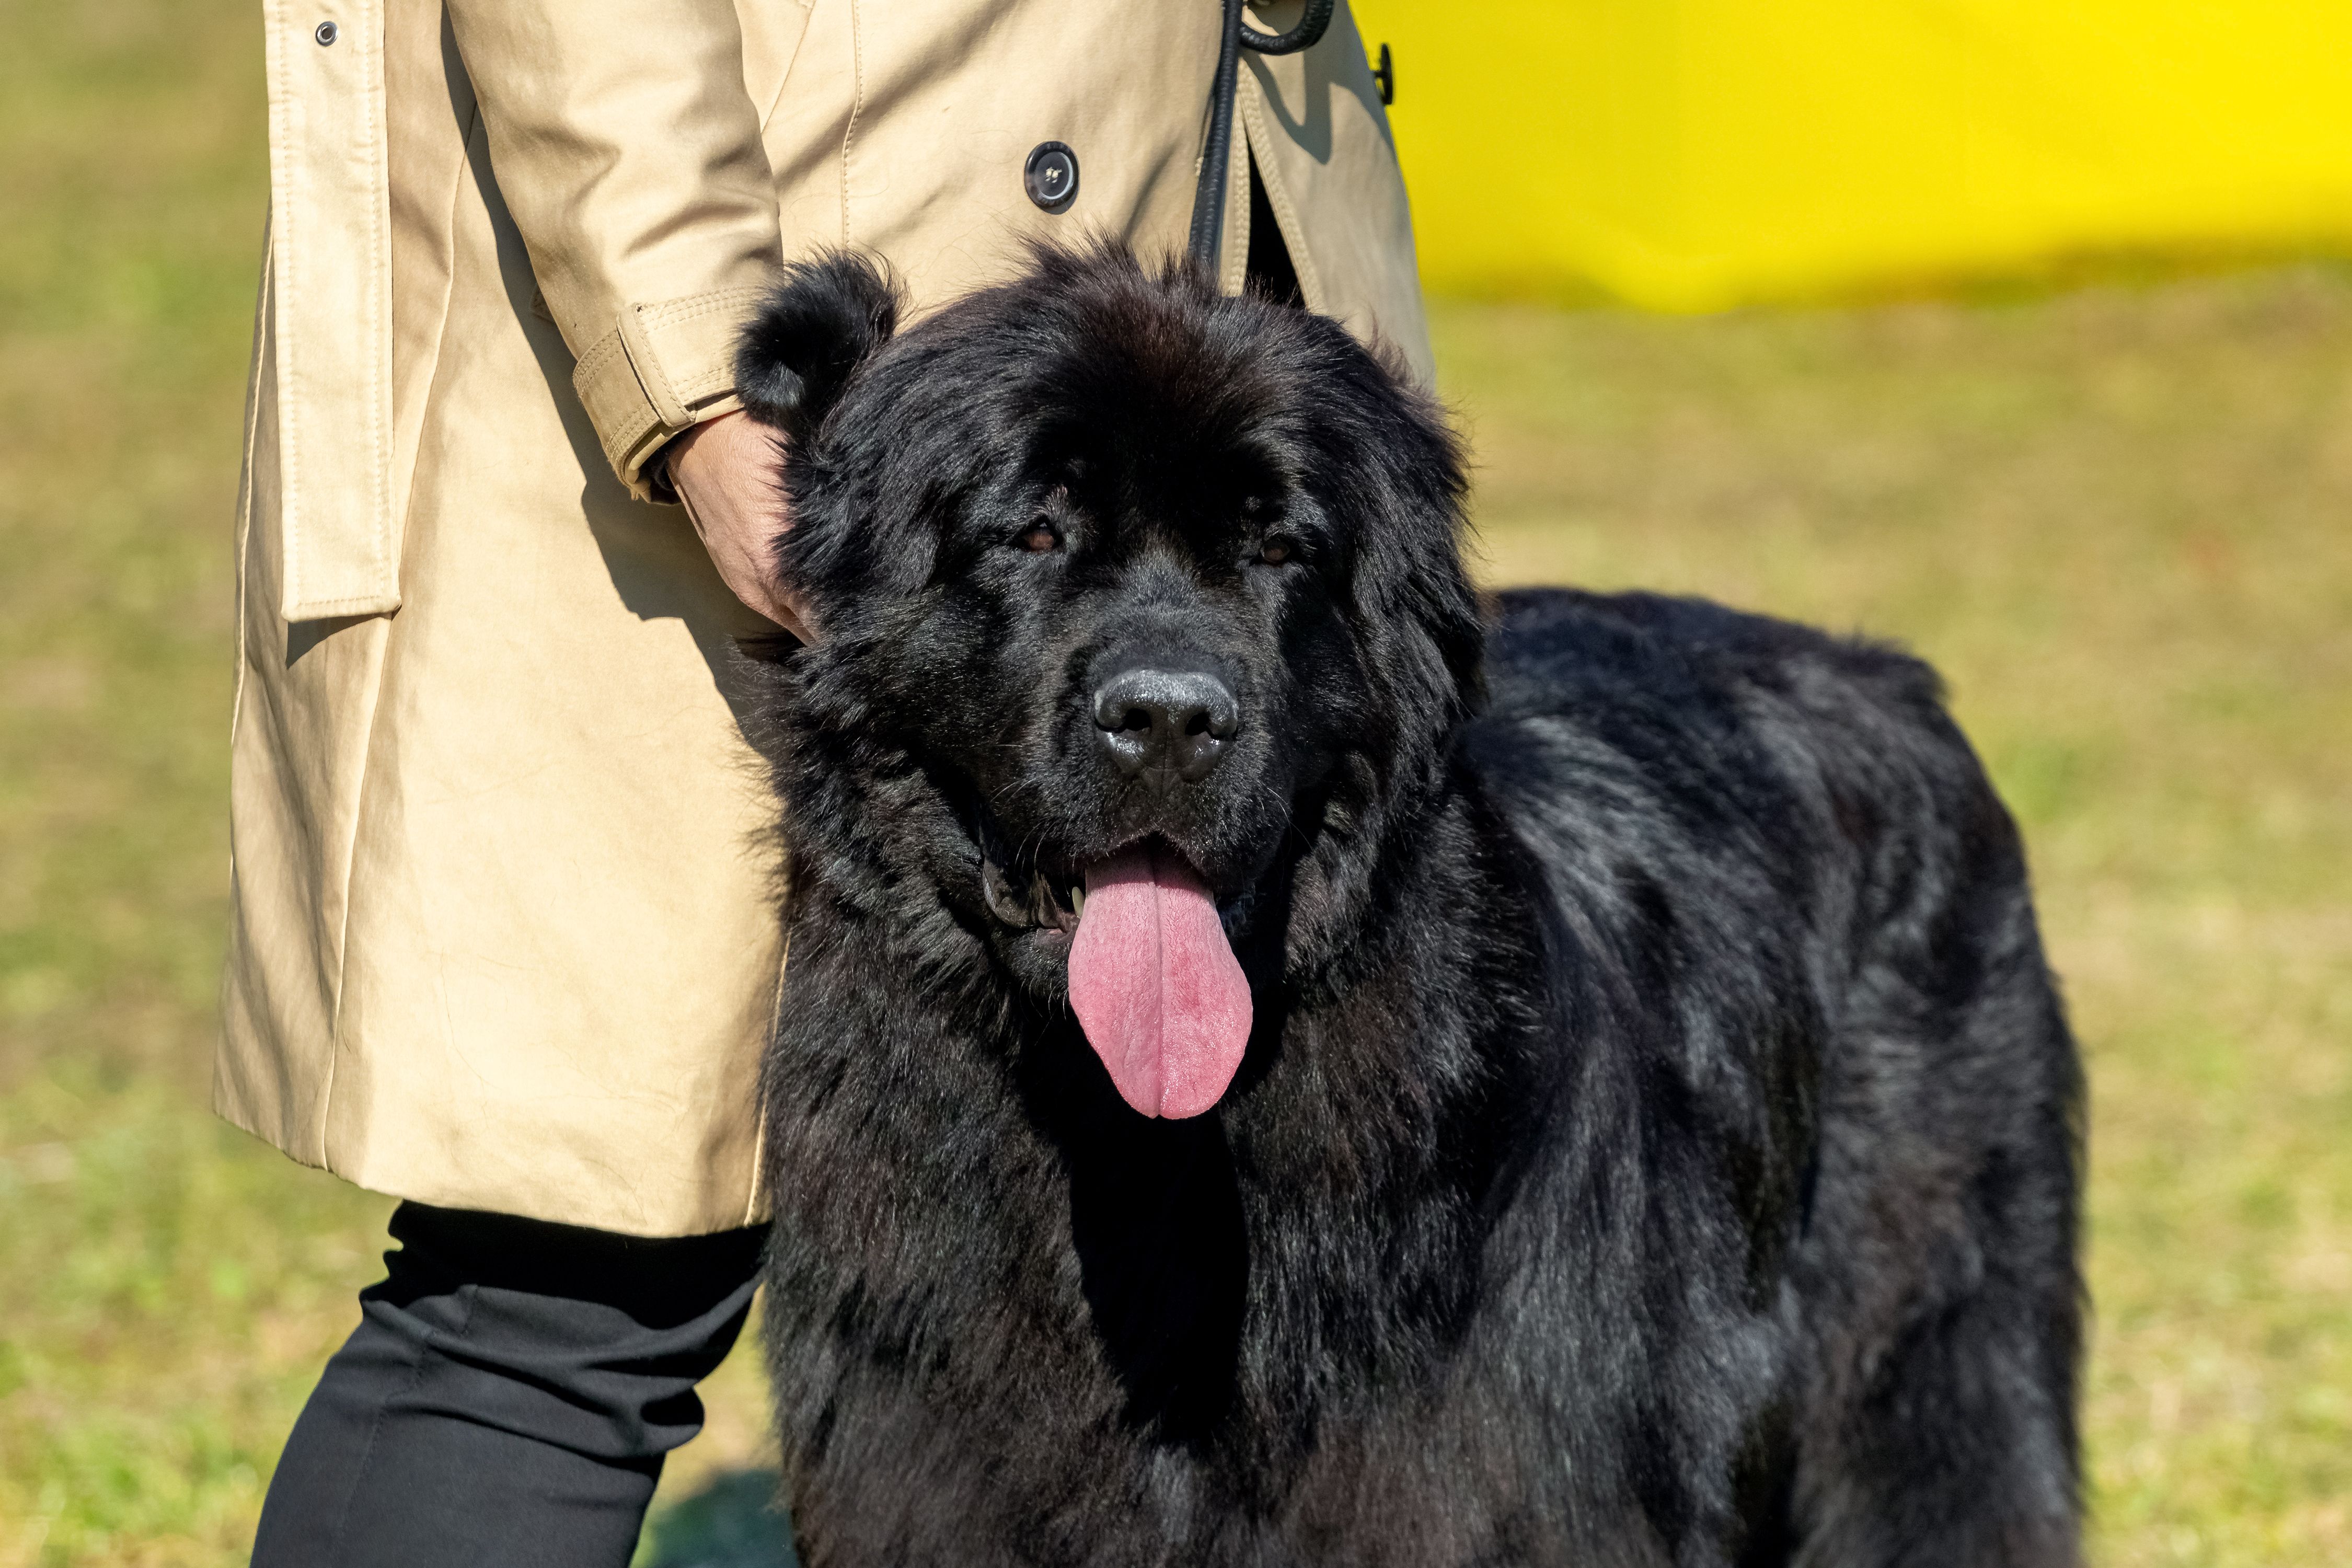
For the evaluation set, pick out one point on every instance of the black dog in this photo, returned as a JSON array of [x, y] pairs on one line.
[[1280, 1066]]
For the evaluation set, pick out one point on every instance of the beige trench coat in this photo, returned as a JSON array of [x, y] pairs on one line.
[[505, 934]]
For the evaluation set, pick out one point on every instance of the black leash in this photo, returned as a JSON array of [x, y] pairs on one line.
[[1209, 201]]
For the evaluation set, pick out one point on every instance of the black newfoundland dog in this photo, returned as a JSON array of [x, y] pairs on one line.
[[1285, 1063]]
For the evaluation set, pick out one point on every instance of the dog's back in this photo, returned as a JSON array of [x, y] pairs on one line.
[[1801, 966]]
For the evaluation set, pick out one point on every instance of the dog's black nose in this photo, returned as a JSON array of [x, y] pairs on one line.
[[1166, 724]]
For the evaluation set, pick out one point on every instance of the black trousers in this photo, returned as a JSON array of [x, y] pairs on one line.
[[508, 1396]]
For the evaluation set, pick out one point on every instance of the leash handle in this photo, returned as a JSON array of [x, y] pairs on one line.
[[1216, 157]]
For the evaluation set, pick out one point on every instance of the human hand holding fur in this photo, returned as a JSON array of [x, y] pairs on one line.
[[725, 471]]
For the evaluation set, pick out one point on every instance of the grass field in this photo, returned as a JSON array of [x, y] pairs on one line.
[[2116, 517]]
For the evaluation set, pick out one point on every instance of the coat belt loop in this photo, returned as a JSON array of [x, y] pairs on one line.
[[331, 265]]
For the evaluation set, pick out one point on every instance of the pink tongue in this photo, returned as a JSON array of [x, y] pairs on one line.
[[1156, 987]]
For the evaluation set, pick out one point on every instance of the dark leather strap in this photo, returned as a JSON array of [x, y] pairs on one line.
[[1208, 198]]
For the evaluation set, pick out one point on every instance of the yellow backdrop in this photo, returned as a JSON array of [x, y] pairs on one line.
[[1692, 154]]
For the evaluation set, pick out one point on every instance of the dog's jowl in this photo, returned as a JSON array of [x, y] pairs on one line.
[[1285, 1062]]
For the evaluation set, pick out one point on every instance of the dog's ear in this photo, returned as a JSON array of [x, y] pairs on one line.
[[817, 327]]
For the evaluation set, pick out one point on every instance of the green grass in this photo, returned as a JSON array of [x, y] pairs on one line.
[[2116, 517], [167, 1287]]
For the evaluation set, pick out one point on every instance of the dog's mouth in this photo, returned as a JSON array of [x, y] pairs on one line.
[[1045, 902], [1153, 979]]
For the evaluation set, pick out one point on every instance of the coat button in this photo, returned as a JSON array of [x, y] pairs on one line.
[[1051, 175], [326, 33]]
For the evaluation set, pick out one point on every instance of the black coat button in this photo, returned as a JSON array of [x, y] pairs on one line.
[[1051, 175]]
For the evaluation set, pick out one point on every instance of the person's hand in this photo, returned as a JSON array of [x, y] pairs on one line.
[[725, 471]]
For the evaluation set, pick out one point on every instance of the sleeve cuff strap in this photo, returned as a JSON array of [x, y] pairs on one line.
[[663, 368]]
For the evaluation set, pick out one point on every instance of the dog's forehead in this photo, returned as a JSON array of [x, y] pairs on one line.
[[1155, 406], [1118, 397]]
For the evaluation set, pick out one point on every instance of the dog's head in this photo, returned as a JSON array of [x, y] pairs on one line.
[[1142, 627]]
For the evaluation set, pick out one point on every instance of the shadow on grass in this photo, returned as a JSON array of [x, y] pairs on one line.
[[732, 1523]]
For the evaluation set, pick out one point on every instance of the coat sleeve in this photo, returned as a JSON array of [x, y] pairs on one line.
[[628, 151]]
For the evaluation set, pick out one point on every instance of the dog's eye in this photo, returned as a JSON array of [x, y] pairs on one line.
[[1275, 552], [1040, 540]]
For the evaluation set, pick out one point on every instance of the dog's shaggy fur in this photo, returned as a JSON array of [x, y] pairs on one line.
[[1658, 1141]]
